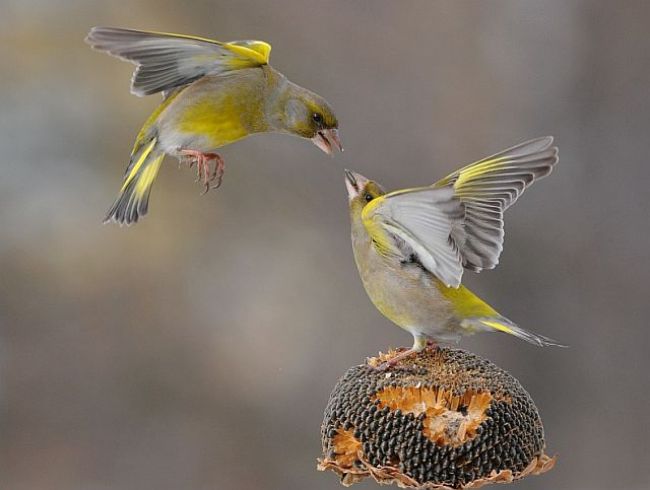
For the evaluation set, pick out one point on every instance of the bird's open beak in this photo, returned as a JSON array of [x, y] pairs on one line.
[[354, 183], [327, 140]]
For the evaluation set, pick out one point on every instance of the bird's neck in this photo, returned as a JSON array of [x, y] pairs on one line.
[[278, 90], [361, 241]]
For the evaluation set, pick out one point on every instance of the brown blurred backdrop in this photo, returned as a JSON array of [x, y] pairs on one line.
[[197, 349]]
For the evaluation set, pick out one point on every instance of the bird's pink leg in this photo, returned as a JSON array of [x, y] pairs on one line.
[[399, 357], [418, 346], [203, 163]]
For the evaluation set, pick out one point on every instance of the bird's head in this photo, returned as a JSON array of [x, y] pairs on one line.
[[308, 115], [361, 191]]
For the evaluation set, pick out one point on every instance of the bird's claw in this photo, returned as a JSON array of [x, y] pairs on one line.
[[404, 354], [204, 172], [383, 366]]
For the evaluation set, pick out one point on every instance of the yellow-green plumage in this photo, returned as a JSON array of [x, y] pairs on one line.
[[214, 94], [465, 303], [133, 198], [411, 246]]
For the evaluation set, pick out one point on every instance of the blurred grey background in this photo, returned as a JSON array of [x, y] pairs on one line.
[[197, 349]]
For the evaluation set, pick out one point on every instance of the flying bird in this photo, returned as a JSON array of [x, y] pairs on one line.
[[411, 246], [214, 93]]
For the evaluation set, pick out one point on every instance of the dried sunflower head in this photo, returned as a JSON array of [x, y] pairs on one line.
[[445, 419]]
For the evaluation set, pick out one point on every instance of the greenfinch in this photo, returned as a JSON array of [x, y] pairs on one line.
[[411, 246], [214, 93]]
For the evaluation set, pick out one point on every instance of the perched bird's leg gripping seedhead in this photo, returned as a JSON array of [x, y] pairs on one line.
[[203, 162], [419, 344]]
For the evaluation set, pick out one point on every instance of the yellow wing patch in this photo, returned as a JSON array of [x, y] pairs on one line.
[[380, 237], [258, 51], [477, 170]]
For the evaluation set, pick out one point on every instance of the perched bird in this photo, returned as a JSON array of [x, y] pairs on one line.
[[214, 93], [411, 246]]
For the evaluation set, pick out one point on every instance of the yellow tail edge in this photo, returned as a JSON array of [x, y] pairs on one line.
[[506, 326], [133, 200]]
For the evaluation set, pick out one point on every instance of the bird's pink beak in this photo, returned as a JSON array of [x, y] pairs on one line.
[[354, 183], [327, 140]]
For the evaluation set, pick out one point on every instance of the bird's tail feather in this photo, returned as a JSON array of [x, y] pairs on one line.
[[133, 199], [504, 325]]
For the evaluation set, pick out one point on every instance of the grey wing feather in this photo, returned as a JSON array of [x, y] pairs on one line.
[[487, 188], [164, 61], [421, 220]]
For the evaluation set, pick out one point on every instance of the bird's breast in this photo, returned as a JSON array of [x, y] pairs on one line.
[[212, 113], [218, 119], [405, 294]]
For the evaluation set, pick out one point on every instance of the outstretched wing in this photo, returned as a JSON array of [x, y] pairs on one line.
[[487, 188], [418, 221], [165, 61]]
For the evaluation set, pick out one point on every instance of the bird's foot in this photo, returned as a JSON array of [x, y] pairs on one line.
[[405, 354], [209, 167], [217, 172]]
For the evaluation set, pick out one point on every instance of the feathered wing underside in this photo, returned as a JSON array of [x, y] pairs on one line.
[[418, 221], [165, 61], [487, 188]]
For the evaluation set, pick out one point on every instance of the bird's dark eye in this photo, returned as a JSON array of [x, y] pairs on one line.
[[317, 117], [367, 197]]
